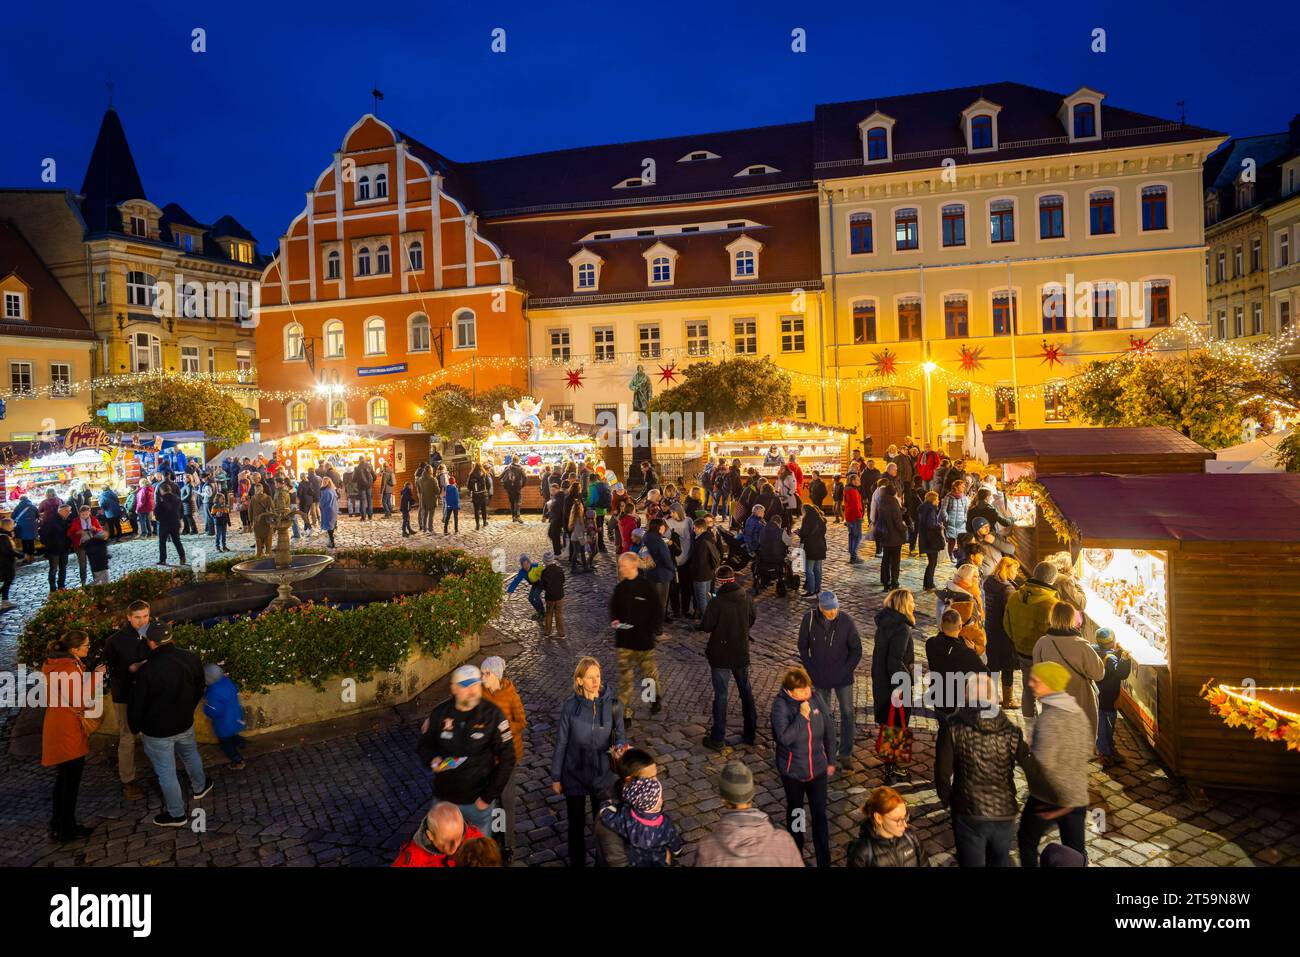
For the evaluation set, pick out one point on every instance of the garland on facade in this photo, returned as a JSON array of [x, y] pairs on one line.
[[1240, 707], [1064, 528]]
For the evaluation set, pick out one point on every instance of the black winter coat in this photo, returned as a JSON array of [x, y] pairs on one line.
[[772, 547], [475, 751], [974, 765], [872, 850], [635, 602], [165, 692], [706, 556], [1001, 653], [552, 581], [53, 534], [890, 529], [727, 619], [894, 653], [951, 657], [829, 650], [930, 523], [812, 537]]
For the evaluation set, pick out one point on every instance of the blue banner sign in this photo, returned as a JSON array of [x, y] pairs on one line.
[[382, 370], [126, 411]]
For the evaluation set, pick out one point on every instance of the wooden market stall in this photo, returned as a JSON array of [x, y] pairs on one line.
[[1199, 577], [1026, 454], [534, 445], [766, 445], [344, 447]]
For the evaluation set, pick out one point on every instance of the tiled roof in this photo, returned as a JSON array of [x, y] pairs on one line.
[[227, 227], [111, 177], [1269, 152], [52, 313], [1022, 444]]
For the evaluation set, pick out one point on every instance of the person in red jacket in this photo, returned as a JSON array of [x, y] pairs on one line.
[[439, 837], [853, 515], [798, 474], [927, 463], [82, 528]]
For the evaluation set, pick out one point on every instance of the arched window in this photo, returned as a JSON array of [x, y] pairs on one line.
[[662, 269], [334, 339], [587, 276], [363, 261], [298, 416], [377, 409], [466, 329], [745, 262], [383, 263], [860, 238], [415, 254], [376, 338], [419, 333], [381, 185], [146, 352], [877, 143], [141, 289], [338, 412], [363, 187], [332, 265], [293, 342]]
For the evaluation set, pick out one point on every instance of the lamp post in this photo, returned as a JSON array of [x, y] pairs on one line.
[[929, 367]]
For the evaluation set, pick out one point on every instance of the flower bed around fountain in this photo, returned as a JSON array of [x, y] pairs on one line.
[[419, 615]]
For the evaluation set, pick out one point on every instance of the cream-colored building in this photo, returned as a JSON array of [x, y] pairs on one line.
[[984, 244], [1283, 224]]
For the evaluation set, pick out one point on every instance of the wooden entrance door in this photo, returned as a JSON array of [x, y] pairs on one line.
[[885, 423]]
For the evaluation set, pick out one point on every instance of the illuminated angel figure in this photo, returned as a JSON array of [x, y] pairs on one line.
[[523, 415]]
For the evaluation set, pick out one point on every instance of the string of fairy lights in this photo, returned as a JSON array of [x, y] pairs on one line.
[[1182, 335]]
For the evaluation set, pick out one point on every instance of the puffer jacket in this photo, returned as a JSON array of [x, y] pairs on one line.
[[892, 653], [812, 537], [774, 544], [929, 521], [830, 650], [747, 838], [873, 850], [727, 619], [587, 729], [420, 852], [1061, 747], [1000, 652], [804, 746], [975, 763], [1026, 616], [954, 514]]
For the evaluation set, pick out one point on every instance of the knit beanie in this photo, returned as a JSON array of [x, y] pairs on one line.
[[643, 794], [1054, 675]]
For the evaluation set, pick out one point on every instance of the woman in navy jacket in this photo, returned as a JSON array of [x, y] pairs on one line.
[[590, 728], [805, 740]]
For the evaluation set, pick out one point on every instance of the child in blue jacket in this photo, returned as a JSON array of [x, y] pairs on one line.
[[225, 712], [531, 572], [650, 835], [451, 505], [1118, 666], [752, 534]]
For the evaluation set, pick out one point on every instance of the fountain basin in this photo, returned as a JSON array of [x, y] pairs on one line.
[[264, 571]]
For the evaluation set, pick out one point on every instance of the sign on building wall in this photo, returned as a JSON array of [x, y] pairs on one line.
[[382, 370]]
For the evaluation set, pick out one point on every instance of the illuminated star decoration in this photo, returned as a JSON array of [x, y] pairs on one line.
[[575, 378], [1052, 354], [1141, 348], [970, 358], [886, 362], [668, 374]]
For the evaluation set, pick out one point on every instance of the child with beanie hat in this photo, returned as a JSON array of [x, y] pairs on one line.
[[649, 833], [1117, 666], [221, 705]]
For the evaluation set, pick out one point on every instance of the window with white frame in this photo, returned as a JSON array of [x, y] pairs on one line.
[[744, 337], [141, 289], [602, 343], [744, 264], [212, 360], [363, 261], [560, 344], [981, 132], [1155, 208], [377, 411], [466, 329], [1256, 254], [381, 185], [421, 337], [190, 359], [383, 261], [21, 382], [14, 306], [1256, 318], [877, 140], [338, 412], [293, 342], [243, 360], [1236, 261], [586, 270], [792, 339], [648, 341], [376, 337], [298, 416], [587, 276], [743, 252], [60, 379], [1283, 317], [332, 261], [363, 187], [415, 255], [1221, 266], [1283, 248], [1238, 321], [1002, 221], [1221, 325], [697, 337], [661, 270], [334, 339], [139, 226], [103, 287], [146, 352]]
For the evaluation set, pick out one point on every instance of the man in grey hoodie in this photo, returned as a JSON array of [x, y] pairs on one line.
[[744, 836], [1058, 771]]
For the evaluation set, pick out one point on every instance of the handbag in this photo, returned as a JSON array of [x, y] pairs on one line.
[[894, 741]]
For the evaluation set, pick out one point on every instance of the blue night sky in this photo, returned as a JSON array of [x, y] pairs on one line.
[[245, 127]]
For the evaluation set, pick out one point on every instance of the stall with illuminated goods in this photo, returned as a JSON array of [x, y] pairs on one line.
[[521, 434], [1025, 454], [342, 448], [768, 444], [1197, 576]]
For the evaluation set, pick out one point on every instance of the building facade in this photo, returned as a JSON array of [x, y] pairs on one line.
[[382, 289], [162, 291], [46, 345], [981, 245]]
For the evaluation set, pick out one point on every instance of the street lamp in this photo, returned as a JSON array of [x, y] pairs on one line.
[[928, 366]]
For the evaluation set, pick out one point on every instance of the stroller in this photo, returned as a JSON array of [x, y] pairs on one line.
[[735, 554]]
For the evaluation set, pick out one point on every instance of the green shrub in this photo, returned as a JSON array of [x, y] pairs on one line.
[[309, 643]]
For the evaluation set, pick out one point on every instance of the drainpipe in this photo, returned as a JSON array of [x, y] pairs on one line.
[[835, 326], [821, 353]]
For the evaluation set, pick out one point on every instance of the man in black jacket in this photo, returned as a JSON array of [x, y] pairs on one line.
[[512, 480], [727, 619], [830, 650], [466, 742], [951, 661], [53, 534], [557, 511], [125, 652], [163, 697], [706, 558], [636, 615], [167, 512]]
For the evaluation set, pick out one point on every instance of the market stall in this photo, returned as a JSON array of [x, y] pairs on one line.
[[767, 445], [67, 473], [1198, 577], [1023, 455], [401, 449], [534, 443], [163, 451]]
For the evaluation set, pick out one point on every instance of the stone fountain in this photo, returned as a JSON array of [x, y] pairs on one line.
[[283, 568]]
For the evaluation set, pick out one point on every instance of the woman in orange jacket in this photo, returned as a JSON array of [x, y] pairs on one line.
[[64, 740]]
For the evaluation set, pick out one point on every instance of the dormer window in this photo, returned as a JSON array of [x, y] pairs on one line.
[[1211, 209], [1085, 121], [1080, 114], [14, 302], [586, 270], [139, 226], [1245, 195], [241, 252], [980, 121], [661, 264], [743, 252], [632, 182], [877, 132], [699, 156], [760, 169], [372, 183], [981, 133]]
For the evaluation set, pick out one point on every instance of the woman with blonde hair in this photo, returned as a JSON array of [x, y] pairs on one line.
[[893, 658], [1001, 652], [589, 731]]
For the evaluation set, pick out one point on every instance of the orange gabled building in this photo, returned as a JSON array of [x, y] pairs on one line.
[[383, 278]]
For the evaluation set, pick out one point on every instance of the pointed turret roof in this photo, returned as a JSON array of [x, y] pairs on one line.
[[111, 177]]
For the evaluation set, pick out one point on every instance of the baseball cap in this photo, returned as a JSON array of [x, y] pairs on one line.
[[466, 675]]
